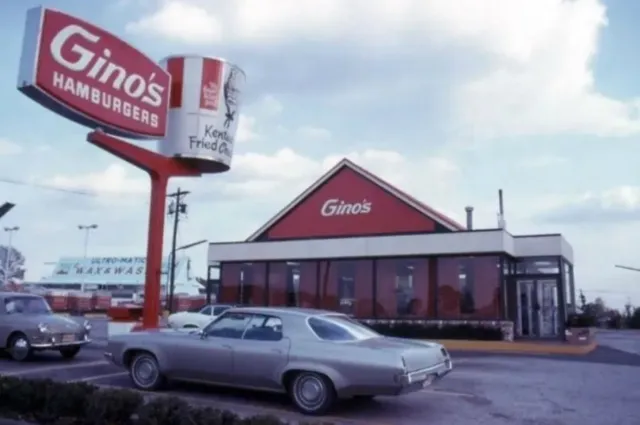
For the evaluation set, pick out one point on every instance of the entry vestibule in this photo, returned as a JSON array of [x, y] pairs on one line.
[[537, 307]]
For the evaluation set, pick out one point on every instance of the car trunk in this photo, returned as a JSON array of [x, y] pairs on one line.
[[416, 355]]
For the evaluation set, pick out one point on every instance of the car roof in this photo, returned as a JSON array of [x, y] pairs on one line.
[[4, 295], [292, 311]]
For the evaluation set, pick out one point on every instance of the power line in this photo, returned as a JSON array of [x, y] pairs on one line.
[[46, 187], [176, 208]]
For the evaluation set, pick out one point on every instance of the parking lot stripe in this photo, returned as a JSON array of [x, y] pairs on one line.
[[96, 377], [45, 369]]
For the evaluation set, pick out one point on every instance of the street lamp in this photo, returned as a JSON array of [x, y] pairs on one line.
[[633, 269], [9, 230], [87, 229]]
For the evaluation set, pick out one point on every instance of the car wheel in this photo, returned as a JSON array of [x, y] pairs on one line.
[[312, 393], [69, 352], [145, 372], [19, 348]]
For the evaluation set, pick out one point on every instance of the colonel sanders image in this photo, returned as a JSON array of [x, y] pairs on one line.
[[231, 93]]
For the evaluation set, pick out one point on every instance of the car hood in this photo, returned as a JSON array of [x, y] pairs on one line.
[[55, 323]]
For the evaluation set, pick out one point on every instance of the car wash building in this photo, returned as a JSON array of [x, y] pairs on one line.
[[354, 243]]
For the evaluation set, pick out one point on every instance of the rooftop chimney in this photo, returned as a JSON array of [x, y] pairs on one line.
[[502, 224], [469, 211]]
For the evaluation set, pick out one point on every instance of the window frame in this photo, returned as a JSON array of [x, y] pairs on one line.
[[206, 330], [265, 319]]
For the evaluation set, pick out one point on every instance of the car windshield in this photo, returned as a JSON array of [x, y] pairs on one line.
[[340, 328], [26, 305]]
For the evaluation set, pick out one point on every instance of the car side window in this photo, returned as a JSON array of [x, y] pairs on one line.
[[207, 310], [217, 311], [229, 325], [264, 328], [329, 331]]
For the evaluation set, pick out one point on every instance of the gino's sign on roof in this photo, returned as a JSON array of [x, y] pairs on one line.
[[92, 77]]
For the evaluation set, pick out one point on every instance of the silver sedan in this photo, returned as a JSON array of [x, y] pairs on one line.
[[314, 356]]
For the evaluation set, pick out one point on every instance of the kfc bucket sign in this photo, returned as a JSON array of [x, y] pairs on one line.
[[92, 77]]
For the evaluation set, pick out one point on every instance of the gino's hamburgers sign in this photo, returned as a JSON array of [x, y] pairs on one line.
[[92, 77]]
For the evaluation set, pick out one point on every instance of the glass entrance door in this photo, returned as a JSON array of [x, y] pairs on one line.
[[527, 307], [537, 308], [548, 296]]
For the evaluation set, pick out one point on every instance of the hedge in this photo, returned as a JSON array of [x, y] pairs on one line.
[[49, 402], [422, 331]]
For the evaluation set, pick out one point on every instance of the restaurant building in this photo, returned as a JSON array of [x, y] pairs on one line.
[[353, 243]]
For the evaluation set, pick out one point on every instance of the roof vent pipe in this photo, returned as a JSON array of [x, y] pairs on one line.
[[469, 211]]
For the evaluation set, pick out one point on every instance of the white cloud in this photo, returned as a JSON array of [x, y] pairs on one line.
[[618, 204], [180, 21], [548, 87], [539, 78], [116, 179], [9, 148], [270, 105], [246, 129]]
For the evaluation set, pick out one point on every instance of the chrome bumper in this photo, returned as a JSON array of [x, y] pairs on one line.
[[55, 345], [419, 379]]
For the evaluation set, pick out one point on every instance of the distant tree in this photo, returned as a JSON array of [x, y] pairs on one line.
[[628, 309], [583, 301], [634, 320], [14, 267]]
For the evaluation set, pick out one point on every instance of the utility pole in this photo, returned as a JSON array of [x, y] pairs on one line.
[[86, 229], [176, 208], [7, 263]]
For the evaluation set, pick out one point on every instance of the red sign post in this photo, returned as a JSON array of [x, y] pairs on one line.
[[94, 78]]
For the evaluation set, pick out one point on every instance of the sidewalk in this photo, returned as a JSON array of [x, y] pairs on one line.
[[519, 347]]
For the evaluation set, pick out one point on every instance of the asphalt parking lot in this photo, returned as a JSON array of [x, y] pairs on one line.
[[496, 390]]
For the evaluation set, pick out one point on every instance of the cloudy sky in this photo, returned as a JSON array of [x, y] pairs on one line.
[[450, 100]]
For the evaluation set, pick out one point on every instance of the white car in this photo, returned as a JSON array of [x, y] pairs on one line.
[[197, 319]]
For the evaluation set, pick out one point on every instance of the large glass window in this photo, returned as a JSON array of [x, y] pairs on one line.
[[403, 288], [469, 287], [538, 265], [243, 283], [347, 286], [569, 288], [293, 284]]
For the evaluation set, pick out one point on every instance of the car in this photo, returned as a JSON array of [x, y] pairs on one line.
[[314, 356], [27, 325], [196, 319]]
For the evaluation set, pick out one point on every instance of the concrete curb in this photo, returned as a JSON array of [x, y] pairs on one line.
[[518, 347]]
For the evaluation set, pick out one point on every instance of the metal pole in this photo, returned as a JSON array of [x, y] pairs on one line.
[[172, 257], [9, 230], [6, 259], [86, 230], [84, 256]]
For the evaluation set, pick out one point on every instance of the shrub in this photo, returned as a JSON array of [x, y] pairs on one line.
[[56, 403], [422, 331], [581, 320]]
